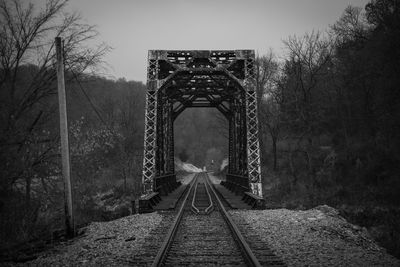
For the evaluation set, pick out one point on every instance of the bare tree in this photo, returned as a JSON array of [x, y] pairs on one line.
[[28, 139], [266, 67], [310, 58], [271, 121], [352, 26], [268, 109], [349, 32]]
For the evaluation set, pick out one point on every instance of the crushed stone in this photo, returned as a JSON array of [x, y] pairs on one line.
[[315, 237], [110, 243]]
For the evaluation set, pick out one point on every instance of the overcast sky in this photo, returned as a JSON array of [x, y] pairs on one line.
[[132, 27]]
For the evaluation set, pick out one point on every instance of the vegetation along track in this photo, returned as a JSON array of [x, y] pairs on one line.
[[203, 233]]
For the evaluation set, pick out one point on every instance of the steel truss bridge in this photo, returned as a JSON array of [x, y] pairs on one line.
[[221, 79]]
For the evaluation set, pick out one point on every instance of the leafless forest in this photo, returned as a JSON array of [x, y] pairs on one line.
[[329, 114]]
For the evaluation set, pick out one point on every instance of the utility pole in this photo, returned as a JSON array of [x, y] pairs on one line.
[[66, 168]]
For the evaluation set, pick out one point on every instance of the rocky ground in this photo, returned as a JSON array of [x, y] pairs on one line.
[[110, 243], [315, 237]]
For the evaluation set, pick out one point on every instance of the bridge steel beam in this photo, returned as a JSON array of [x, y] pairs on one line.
[[150, 127], [253, 145], [223, 79]]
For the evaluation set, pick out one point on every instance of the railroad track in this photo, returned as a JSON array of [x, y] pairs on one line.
[[203, 233]]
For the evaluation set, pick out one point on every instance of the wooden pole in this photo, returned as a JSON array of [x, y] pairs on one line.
[[66, 168]]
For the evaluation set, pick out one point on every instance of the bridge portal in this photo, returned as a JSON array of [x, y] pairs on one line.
[[222, 79]]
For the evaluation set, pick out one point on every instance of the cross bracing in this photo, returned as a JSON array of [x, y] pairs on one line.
[[224, 80]]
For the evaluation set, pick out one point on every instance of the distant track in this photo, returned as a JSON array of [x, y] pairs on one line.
[[203, 233]]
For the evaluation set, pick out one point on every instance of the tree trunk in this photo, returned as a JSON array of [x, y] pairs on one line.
[[292, 170], [274, 153], [28, 192], [125, 185]]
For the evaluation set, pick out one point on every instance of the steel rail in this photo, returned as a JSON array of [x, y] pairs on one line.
[[251, 258], [196, 210], [172, 231], [209, 208]]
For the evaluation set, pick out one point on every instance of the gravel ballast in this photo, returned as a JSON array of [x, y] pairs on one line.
[[315, 237], [104, 243]]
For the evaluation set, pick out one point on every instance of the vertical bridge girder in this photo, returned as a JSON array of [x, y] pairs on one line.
[[179, 79]]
